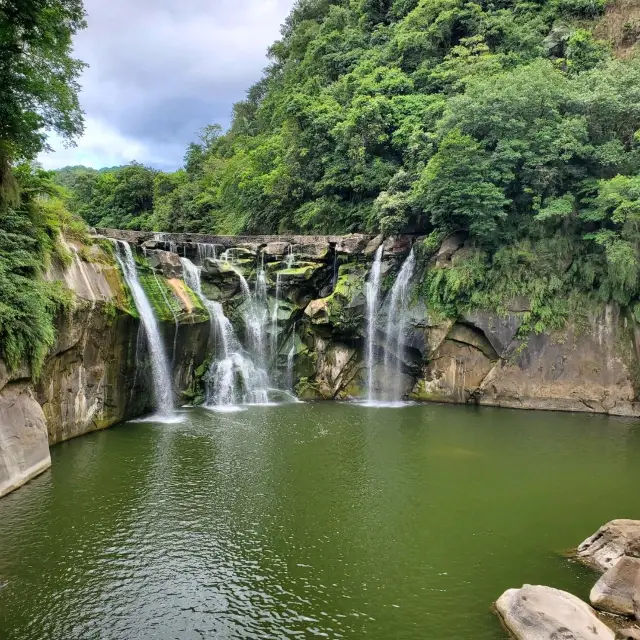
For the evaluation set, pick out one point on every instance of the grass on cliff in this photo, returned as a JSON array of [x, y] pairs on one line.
[[32, 220], [166, 304], [542, 279]]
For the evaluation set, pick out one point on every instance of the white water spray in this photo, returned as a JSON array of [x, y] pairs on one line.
[[233, 378], [161, 376], [372, 290], [397, 320]]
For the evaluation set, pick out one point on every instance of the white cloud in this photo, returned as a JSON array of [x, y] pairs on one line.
[[160, 70], [102, 146]]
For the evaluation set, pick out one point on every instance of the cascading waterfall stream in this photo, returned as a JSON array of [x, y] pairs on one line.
[[397, 321], [255, 317], [160, 371], [291, 356], [233, 378], [372, 290], [274, 322]]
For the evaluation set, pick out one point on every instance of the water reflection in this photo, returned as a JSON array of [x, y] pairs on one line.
[[330, 520]]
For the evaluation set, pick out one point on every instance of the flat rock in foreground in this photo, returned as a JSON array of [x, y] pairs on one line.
[[618, 590], [609, 543], [542, 613]]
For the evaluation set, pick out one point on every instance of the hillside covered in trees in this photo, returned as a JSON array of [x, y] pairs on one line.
[[516, 123], [38, 96]]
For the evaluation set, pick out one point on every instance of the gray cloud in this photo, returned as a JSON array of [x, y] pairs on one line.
[[160, 70]]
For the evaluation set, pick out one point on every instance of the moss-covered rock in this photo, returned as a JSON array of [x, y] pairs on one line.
[[343, 310]]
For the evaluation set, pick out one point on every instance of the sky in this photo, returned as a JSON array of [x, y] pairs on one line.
[[160, 70]]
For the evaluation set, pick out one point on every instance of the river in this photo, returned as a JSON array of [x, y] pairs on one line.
[[309, 520]]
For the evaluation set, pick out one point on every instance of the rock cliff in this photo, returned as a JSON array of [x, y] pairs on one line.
[[96, 374]]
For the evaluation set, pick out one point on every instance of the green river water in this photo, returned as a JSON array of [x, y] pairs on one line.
[[309, 520]]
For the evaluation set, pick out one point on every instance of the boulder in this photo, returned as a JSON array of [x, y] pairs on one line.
[[542, 613], [245, 249], [318, 311], [374, 245], [618, 590], [276, 249], [448, 248], [628, 634], [299, 274], [354, 243], [313, 250], [166, 263], [397, 246], [499, 330], [24, 443], [610, 543]]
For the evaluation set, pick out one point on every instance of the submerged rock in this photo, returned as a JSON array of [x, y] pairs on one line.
[[618, 590], [542, 613], [610, 543]]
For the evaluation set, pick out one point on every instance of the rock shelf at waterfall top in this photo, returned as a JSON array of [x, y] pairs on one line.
[[348, 244]]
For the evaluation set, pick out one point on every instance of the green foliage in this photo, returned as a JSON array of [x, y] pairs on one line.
[[38, 76], [456, 188], [120, 197], [507, 122], [29, 235], [38, 94], [543, 273]]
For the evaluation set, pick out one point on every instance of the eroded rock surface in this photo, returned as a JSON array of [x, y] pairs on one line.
[[96, 374], [610, 543], [24, 446], [618, 590], [543, 613], [166, 263]]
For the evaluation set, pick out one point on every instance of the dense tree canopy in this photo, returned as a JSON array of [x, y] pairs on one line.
[[38, 95], [515, 122]]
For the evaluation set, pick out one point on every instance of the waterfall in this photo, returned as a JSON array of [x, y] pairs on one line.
[[255, 317], [192, 276], [291, 258], [175, 319], [396, 329], [274, 322], [291, 359], [162, 385], [206, 251], [233, 378], [261, 283], [372, 291]]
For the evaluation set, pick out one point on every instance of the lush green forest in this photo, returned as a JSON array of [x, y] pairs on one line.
[[514, 122], [38, 95]]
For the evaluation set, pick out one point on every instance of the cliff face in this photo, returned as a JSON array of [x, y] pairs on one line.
[[95, 376], [589, 368], [480, 357], [98, 373]]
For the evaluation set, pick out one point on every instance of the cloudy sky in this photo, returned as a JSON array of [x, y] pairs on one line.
[[160, 70]]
